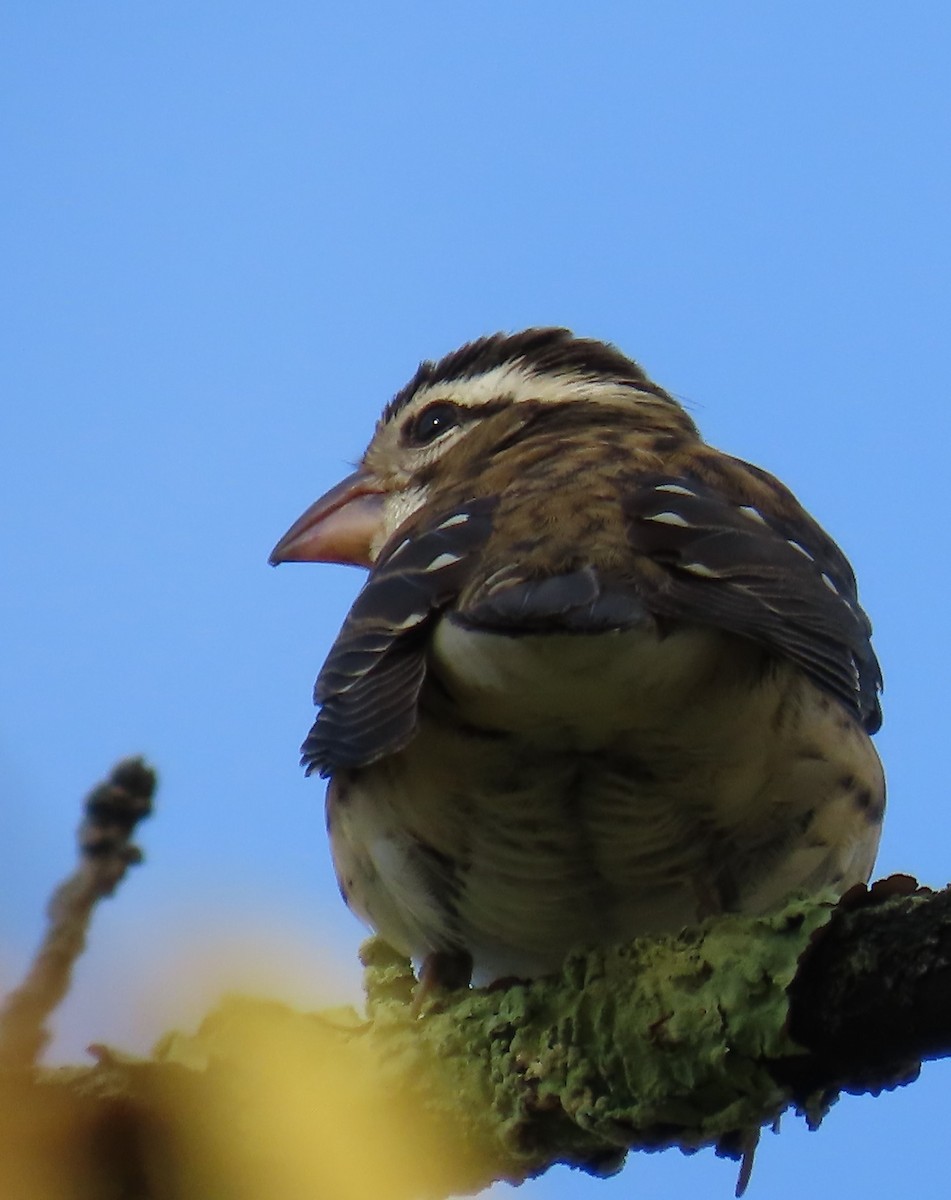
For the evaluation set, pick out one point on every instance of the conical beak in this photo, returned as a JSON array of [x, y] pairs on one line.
[[340, 527]]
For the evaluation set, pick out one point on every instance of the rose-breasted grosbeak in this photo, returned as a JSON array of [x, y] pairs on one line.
[[602, 680]]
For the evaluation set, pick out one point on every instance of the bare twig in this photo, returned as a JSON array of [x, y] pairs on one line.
[[111, 812]]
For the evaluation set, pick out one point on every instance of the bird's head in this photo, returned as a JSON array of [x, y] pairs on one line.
[[450, 421]]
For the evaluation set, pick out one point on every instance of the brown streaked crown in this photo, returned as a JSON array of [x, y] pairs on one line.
[[541, 351]]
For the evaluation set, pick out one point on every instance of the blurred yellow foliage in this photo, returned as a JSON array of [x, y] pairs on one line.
[[302, 1108], [263, 1102]]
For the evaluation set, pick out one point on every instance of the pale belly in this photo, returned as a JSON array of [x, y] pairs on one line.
[[568, 790]]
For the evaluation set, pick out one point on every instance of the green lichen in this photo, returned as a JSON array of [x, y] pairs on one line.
[[660, 1042], [674, 1041], [665, 1041]]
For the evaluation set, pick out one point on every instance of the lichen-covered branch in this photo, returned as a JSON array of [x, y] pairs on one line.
[[872, 998], [684, 1041]]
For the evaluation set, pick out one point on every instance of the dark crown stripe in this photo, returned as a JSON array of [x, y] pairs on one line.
[[541, 351]]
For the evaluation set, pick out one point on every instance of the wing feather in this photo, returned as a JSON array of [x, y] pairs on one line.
[[777, 578], [369, 686]]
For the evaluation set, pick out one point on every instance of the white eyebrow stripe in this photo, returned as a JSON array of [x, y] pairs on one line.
[[802, 549], [676, 488], [753, 513], [443, 560], [698, 568], [517, 379], [668, 518]]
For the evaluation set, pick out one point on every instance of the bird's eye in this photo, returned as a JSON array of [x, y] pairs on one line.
[[431, 422]]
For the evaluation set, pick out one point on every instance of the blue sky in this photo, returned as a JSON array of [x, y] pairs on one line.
[[230, 231]]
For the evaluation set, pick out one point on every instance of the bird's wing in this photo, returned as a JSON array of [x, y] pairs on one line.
[[701, 555], [369, 686], [764, 571], [705, 555]]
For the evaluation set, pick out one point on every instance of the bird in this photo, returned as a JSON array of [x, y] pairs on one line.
[[603, 680]]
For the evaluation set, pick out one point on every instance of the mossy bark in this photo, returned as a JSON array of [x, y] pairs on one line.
[[690, 1041]]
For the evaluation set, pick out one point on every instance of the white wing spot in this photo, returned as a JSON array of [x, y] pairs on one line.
[[698, 568], [442, 560], [399, 549], [668, 518], [802, 549], [753, 513], [676, 488], [409, 622], [455, 519], [829, 582], [499, 579]]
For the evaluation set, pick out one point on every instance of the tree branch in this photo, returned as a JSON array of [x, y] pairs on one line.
[[688, 1041], [872, 997]]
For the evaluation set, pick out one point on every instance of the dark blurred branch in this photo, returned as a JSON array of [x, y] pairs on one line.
[[112, 811], [872, 996]]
